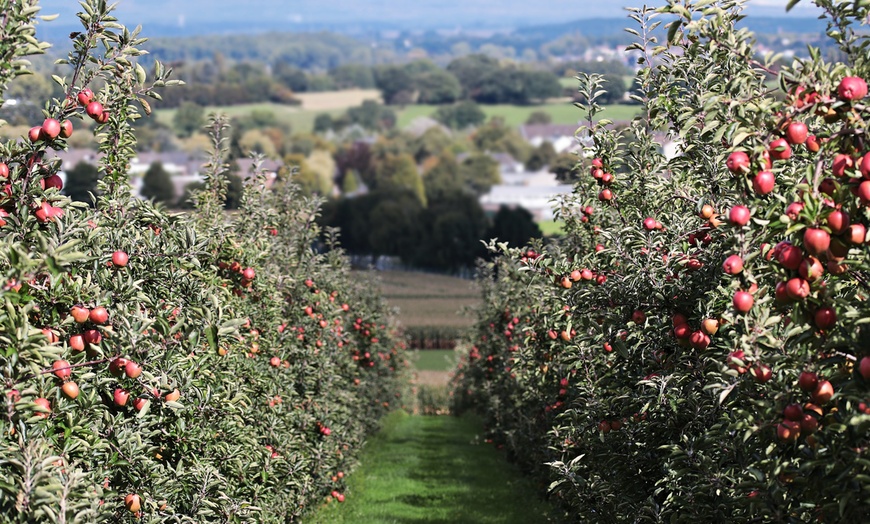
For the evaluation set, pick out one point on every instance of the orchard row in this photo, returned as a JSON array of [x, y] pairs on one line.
[[696, 349], [170, 368]]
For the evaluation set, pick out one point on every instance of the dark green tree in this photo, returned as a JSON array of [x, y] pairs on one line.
[[541, 156], [515, 226], [539, 117], [437, 87], [479, 172], [323, 123], [189, 118], [157, 184], [81, 182], [290, 76], [461, 115]]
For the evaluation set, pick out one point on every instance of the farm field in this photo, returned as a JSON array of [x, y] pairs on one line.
[[551, 227], [442, 360], [427, 300], [433, 469], [561, 112]]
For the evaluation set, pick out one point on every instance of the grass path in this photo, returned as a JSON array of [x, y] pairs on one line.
[[433, 470]]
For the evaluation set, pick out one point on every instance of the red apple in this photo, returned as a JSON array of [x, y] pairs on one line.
[[70, 389], [116, 366], [132, 369], [825, 317], [779, 149], [133, 503], [139, 403], [683, 331], [808, 381], [761, 373], [699, 340], [4, 170], [743, 301], [865, 165], [61, 369], [796, 133], [793, 412], [249, 273], [77, 342], [852, 88], [35, 134], [99, 315], [93, 336], [789, 256], [120, 397], [738, 162], [841, 164], [66, 129], [94, 110], [763, 182], [274, 362], [53, 182], [816, 240], [797, 288], [649, 224], [864, 368], [733, 265], [823, 393], [739, 215], [838, 221], [809, 424], [788, 431], [813, 144], [45, 405], [119, 259], [856, 234], [605, 195], [85, 96], [811, 269], [863, 192], [51, 128]]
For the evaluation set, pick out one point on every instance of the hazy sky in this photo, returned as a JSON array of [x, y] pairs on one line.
[[406, 12]]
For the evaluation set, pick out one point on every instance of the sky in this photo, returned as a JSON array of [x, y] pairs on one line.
[[245, 15]]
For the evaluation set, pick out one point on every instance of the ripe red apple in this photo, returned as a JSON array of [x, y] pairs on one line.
[[132, 369], [793, 412], [116, 366], [597, 162], [864, 368], [779, 149], [638, 317], [53, 182], [61, 369], [797, 288], [120, 259], [77, 342], [788, 431], [808, 381], [823, 393], [605, 195], [761, 373], [139, 403], [51, 128], [789, 256], [45, 405], [841, 164], [733, 265], [649, 224], [796, 133], [764, 182], [133, 503], [93, 336], [120, 397], [865, 165], [813, 144], [743, 301], [863, 192], [99, 315], [699, 340], [809, 424], [739, 215], [683, 331], [35, 134], [838, 221], [856, 234], [70, 389], [816, 240], [738, 162], [735, 360], [852, 88], [66, 129], [710, 326], [94, 110], [249, 273], [274, 362], [173, 396], [825, 317], [85, 97], [678, 319], [4, 170], [811, 269]]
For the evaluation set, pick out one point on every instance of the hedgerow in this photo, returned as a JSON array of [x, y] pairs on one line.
[[162, 367], [696, 349]]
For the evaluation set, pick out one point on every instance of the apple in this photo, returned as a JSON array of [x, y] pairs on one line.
[[173, 396], [35, 134], [66, 129], [605, 195], [638, 317], [763, 182], [120, 397], [45, 405], [838, 221], [739, 215], [738, 162], [825, 317], [699, 340], [743, 301], [120, 258], [852, 88], [823, 393], [811, 269], [856, 234], [683, 331], [813, 144], [864, 368], [248, 273], [94, 110], [710, 326], [99, 315], [735, 360], [793, 412], [77, 342], [797, 288], [274, 362], [132, 502], [139, 403], [809, 424], [678, 319], [61, 369], [863, 192], [4, 170], [70, 389], [796, 133], [85, 97], [788, 431], [816, 240], [733, 265], [132, 369], [779, 149], [789, 256], [51, 128], [116, 366], [761, 373], [841, 164], [865, 165], [53, 182], [649, 223]]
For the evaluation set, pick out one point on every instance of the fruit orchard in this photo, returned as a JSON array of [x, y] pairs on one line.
[[697, 348], [168, 367]]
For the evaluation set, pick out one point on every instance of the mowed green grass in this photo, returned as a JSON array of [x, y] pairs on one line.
[[433, 360], [300, 120], [551, 227], [433, 469]]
